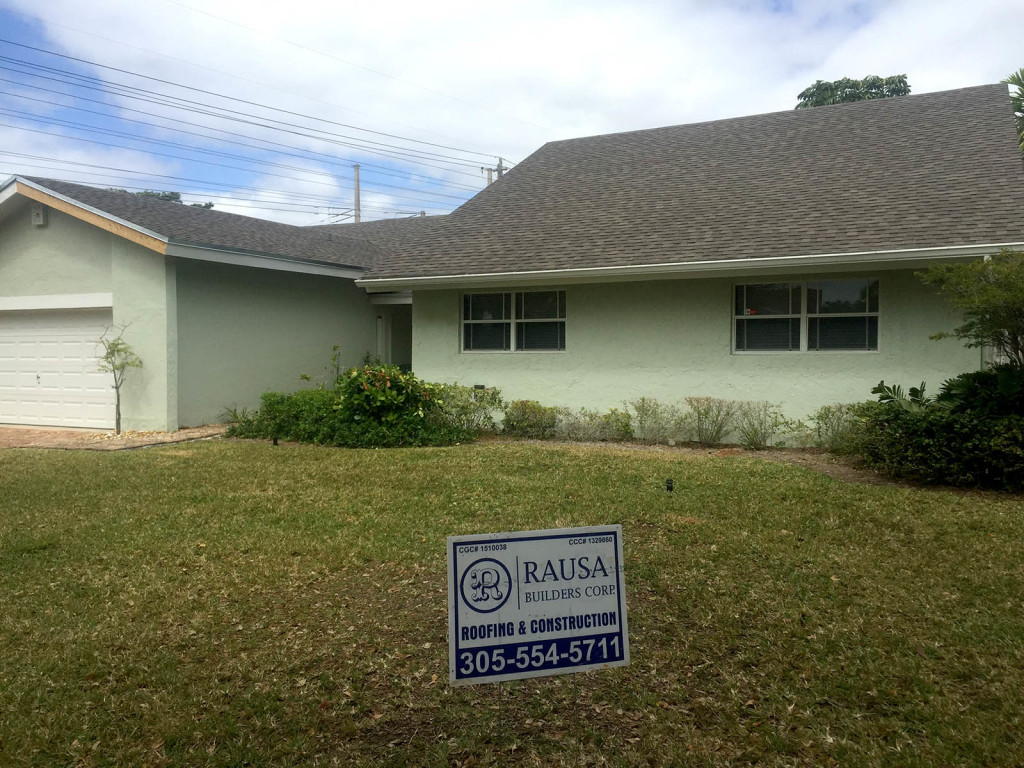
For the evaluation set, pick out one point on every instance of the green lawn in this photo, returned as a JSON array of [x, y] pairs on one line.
[[232, 603]]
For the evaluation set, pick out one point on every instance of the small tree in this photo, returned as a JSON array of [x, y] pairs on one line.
[[1016, 81], [117, 358], [845, 90], [990, 292]]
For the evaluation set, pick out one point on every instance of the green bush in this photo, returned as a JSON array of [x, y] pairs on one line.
[[938, 445], [467, 408], [371, 406], [837, 427], [995, 391], [529, 419]]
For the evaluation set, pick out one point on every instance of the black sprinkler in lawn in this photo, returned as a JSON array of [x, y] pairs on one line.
[[669, 485]]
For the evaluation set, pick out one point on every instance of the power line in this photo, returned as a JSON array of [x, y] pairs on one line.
[[385, 171], [174, 102], [212, 128], [244, 101], [150, 51], [162, 142], [178, 157], [336, 202]]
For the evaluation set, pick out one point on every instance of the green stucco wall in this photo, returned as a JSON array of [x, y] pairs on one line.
[[71, 257], [65, 256], [673, 338], [243, 331]]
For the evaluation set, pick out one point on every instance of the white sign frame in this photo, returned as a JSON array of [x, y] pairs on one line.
[[560, 625]]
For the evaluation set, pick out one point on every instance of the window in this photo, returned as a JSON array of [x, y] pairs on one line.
[[814, 316], [538, 323]]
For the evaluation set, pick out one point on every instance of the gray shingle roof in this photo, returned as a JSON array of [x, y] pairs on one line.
[[934, 170], [185, 224]]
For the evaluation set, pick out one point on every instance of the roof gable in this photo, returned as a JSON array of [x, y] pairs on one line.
[[157, 223]]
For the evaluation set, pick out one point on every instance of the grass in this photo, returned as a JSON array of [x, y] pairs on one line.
[[234, 603]]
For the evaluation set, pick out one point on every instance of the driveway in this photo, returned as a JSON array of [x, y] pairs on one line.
[[13, 436]]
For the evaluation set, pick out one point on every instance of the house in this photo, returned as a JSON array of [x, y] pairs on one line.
[[219, 307], [769, 257]]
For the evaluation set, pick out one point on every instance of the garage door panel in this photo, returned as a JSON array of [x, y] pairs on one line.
[[48, 373]]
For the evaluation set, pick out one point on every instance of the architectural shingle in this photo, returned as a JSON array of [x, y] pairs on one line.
[[934, 170]]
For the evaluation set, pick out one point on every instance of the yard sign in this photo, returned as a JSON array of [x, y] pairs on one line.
[[535, 603]]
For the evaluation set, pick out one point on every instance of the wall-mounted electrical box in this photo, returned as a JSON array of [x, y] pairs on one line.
[[38, 215]]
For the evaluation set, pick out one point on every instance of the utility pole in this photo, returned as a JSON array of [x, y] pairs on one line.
[[500, 169], [357, 211]]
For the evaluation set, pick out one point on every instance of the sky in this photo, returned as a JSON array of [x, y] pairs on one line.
[[264, 108]]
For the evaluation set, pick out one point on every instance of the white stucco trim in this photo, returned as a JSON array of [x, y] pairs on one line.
[[224, 256], [58, 301], [894, 258], [14, 180]]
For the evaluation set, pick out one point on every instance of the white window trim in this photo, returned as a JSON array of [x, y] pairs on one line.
[[512, 321], [804, 316]]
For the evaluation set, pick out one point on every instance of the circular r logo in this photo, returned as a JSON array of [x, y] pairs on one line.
[[486, 585]]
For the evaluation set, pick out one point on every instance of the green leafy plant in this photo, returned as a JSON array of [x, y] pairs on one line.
[[710, 418], [369, 407], [995, 391], [913, 400], [937, 445], [990, 293], [1016, 81], [117, 359], [467, 408], [835, 428], [529, 419]]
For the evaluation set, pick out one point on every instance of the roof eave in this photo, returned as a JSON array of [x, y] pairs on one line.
[[905, 258], [242, 258]]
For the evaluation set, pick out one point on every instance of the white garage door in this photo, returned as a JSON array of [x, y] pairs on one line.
[[48, 372]]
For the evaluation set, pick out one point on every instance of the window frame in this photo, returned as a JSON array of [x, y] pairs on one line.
[[513, 321], [804, 316]]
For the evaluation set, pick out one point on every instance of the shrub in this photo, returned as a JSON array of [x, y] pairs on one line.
[[836, 428], [372, 406], [467, 408], [995, 391], [592, 426], [710, 418], [757, 423], [529, 419], [938, 445], [652, 421]]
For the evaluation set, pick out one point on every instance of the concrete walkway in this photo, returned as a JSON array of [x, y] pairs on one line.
[[16, 436]]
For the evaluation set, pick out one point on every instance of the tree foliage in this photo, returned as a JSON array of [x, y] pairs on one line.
[[1016, 80], [167, 197], [117, 359], [847, 89], [990, 293]]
